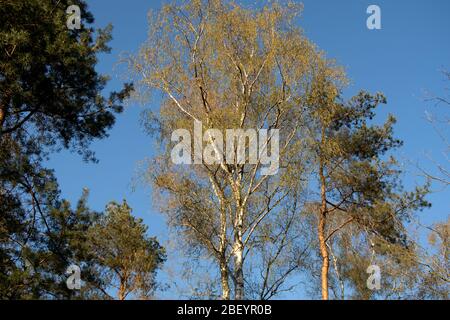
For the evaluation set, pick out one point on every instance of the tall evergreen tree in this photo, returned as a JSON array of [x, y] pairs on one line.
[[67, 244], [50, 97], [359, 186], [130, 258]]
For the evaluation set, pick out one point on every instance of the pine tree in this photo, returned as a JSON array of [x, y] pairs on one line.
[[130, 258], [50, 98], [360, 191]]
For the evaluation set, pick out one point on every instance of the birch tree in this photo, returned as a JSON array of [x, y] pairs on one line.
[[228, 67]]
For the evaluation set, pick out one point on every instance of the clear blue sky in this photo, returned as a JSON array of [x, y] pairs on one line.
[[402, 60]]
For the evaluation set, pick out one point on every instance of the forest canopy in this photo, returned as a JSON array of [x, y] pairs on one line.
[[288, 181]]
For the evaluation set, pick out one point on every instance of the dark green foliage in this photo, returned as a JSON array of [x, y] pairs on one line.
[[364, 207], [129, 257], [50, 98], [67, 244], [48, 83]]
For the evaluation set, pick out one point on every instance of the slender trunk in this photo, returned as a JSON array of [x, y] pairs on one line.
[[122, 290], [223, 259], [2, 118], [239, 256], [322, 227], [239, 272], [224, 279], [323, 250], [324, 254]]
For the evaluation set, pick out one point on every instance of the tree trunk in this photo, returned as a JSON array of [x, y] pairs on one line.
[[322, 227], [122, 290], [2, 118], [239, 272], [239, 257], [223, 255], [224, 279], [324, 254]]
